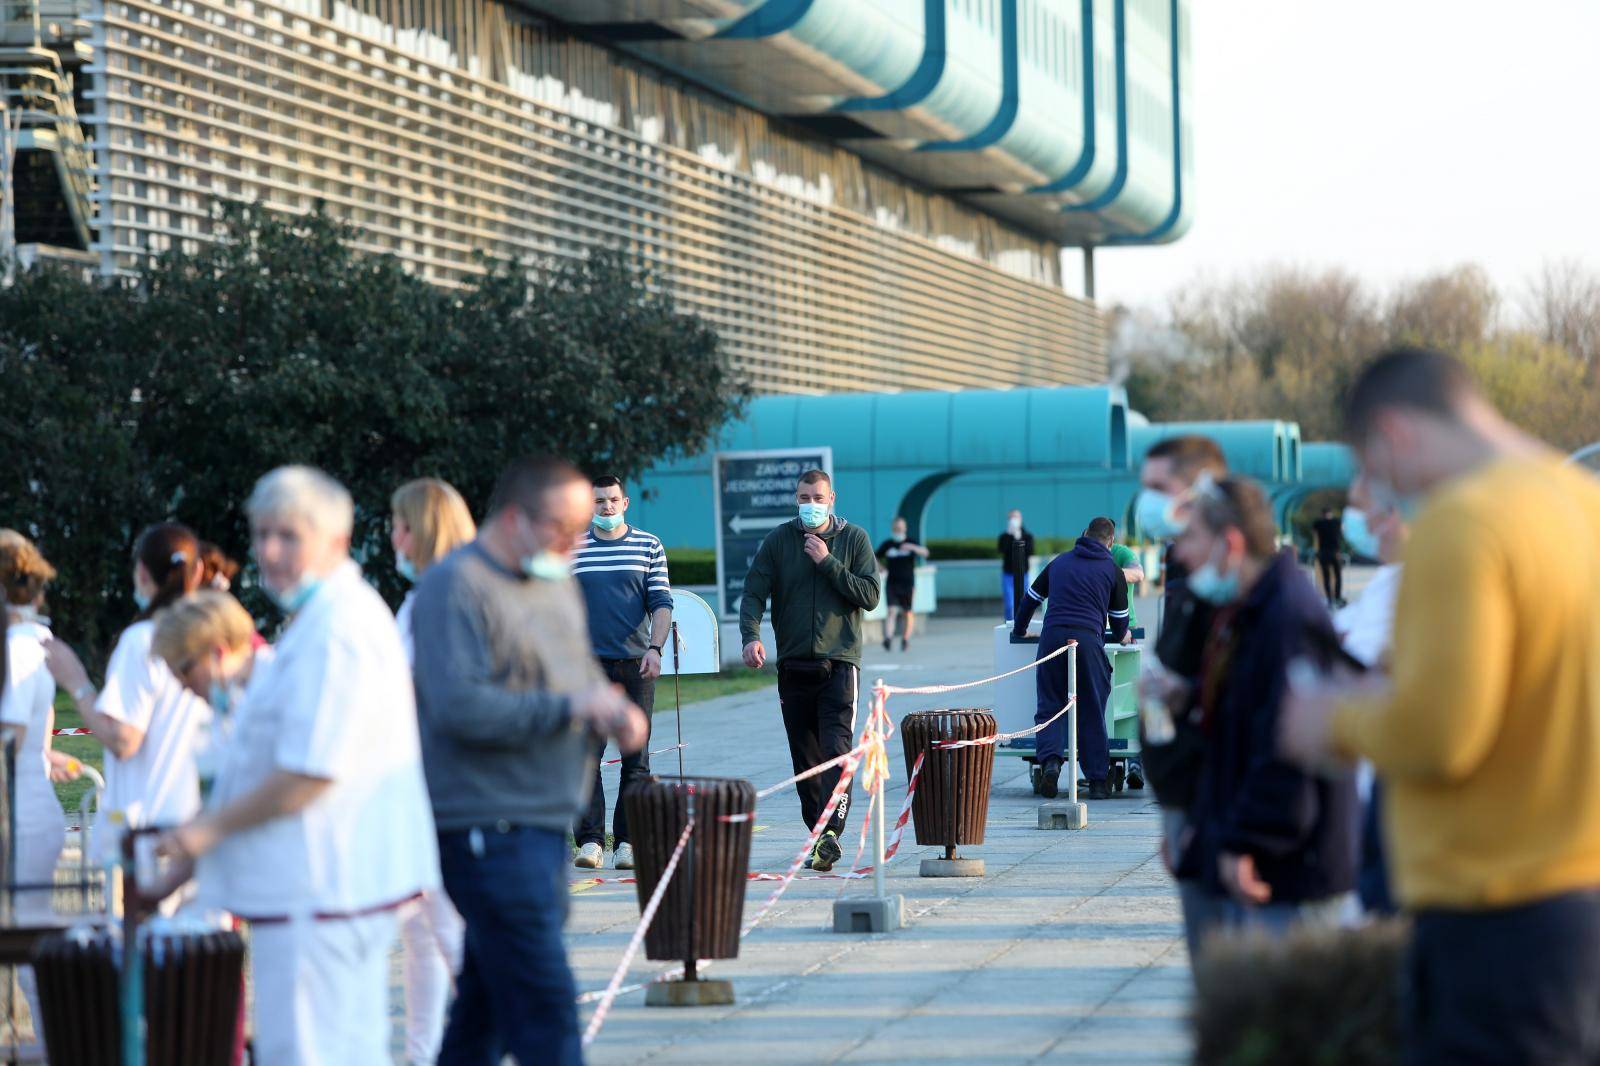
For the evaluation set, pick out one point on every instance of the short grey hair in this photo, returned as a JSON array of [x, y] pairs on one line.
[[307, 493]]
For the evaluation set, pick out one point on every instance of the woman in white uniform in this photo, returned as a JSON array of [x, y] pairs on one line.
[[429, 521], [149, 724], [27, 714]]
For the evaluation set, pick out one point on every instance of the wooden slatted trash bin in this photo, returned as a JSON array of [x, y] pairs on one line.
[[703, 908], [951, 802], [193, 983]]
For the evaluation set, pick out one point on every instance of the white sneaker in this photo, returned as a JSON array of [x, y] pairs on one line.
[[622, 858], [589, 857]]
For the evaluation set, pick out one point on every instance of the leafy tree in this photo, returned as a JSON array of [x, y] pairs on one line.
[[73, 477], [1286, 344], [168, 396]]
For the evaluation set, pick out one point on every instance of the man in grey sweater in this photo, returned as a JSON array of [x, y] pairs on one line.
[[511, 702]]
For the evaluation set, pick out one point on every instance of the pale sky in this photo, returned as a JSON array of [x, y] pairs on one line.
[[1390, 137]]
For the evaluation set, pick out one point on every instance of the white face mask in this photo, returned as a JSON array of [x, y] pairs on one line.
[[1014, 525]]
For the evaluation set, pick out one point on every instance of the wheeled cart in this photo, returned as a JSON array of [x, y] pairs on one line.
[[1016, 698]]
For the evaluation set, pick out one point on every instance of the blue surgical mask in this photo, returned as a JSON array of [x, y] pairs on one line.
[[1386, 498], [607, 522], [405, 567], [814, 515], [1353, 526], [1157, 515], [141, 600], [220, 698], [1210, 584], [546, 566], [898, 538], [296, 596]]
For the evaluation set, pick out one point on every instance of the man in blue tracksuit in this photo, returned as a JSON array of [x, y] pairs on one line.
[[1084, 587]]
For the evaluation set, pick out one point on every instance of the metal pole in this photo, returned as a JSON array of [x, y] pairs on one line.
[[689, 973], [677, 698], [877, 864], [1088, 272], [1072, 721], [131, 984]]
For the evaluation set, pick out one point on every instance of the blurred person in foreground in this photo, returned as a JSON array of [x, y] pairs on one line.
[[220, 571], [1266, 845], [1486, 737], [1167, 477], [1365, 626], [317, 829], [152, 728], [428, 520], [627, 596], [27, 714], [512, 705], [217, 570], [1085, 591]]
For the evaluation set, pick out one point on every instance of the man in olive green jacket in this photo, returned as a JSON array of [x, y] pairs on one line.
[[821, 576]]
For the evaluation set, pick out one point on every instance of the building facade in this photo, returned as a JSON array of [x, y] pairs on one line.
[[861, 195]]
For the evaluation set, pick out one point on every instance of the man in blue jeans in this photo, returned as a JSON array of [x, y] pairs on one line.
[[511, 704]]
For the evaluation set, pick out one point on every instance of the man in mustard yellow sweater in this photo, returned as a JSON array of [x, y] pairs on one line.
[[1487, 733]]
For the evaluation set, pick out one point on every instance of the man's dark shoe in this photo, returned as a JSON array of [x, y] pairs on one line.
[[905, 645], [827, 852], [1099, 790], [1049, 779], [888, 644]]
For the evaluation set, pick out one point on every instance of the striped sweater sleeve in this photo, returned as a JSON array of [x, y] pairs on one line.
[[658, 586]]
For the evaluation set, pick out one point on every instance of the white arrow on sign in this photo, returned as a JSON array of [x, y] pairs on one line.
[[741, 524]]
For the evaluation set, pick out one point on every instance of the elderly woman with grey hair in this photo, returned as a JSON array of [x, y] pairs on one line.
[[318, 827]]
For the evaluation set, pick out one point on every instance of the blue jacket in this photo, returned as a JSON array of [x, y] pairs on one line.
[[1302, 829], [1084, 587]]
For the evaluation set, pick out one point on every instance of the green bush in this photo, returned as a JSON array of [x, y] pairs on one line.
[[984, 548], [692, 566], [167, 395], [1320, 997]]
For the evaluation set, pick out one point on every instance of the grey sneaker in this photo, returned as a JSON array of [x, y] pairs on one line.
[[589, 857], [622, 858]]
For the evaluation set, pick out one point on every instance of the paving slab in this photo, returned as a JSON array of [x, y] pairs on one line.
[[1071, 946]]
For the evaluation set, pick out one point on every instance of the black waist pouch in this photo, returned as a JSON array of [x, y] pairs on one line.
[[812, 670]]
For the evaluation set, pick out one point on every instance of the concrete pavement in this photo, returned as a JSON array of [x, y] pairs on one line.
[[1070, 947]]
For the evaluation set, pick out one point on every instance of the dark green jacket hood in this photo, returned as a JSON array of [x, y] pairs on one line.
[[817, 608]]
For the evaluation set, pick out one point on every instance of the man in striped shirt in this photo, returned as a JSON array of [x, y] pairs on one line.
[[623, 574]]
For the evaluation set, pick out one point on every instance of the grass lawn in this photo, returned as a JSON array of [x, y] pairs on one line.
[[86, 748], [698, 687]]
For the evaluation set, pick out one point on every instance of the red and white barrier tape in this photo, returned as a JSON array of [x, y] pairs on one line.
[[821, 767], [936, 690], [71, 732], [612, 989], [658, 751], [879, 729], [998, 737], [800, 857], [905, 811]]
